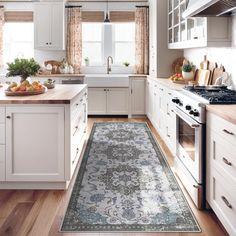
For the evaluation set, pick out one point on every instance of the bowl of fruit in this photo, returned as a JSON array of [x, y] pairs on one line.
[[178, 78], [25, 88]]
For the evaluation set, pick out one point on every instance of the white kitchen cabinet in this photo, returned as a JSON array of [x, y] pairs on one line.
[[221, 171], [108, 101], [159, 54], [97, 101], [2, 143], [117, 101], [138, 100], [149, 98], [196, 31], [160, 111], [49, 26], [35, 144]]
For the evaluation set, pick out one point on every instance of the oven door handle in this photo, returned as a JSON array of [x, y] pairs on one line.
[[187, 119]]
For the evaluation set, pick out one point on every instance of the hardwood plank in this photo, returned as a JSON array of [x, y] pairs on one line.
[[47, 213], [14, 221], [9, 204], [39, 197]]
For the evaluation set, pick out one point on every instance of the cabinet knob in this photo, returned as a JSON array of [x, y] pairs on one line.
[[8, 117], [46, 43]]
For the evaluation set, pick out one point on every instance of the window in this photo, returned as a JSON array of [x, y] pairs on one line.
[[124, 43], [101, 40], [92, 42], [18, 41]]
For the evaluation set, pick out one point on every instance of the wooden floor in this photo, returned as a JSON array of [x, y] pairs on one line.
[[39, 213]]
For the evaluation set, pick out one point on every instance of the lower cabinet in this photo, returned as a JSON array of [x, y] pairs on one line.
[[41, 144], [221, 171], [160, 111], [35, 143], [138, 100], [108, 101]]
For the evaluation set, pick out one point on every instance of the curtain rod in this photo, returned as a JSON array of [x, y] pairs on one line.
[[1, 6], [68, 6], [142, 6]]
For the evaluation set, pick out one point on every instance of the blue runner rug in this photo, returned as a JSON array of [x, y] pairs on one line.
[[125, 184]]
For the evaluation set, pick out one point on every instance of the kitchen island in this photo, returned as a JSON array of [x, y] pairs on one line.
[[42, 137]]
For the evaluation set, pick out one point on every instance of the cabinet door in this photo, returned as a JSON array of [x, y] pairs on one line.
[[49, 26], [57, 27], [35, 144], [117, 101], [97, 104], [2, 162], [42, 26], [149, 99], [138, 96]]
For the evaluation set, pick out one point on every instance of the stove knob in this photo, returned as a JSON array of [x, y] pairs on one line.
[[191, 112], [188, 107], [175, 100], [195, 113]]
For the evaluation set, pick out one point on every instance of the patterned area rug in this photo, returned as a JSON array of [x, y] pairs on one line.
[[125, 184]]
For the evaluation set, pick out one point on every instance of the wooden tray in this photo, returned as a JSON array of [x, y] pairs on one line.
[[25, 93]]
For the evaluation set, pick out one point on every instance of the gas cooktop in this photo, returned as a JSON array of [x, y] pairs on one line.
[[214, 94]]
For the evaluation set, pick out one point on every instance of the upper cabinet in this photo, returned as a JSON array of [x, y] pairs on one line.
[[49, 23], [196, 31], [160, 57]]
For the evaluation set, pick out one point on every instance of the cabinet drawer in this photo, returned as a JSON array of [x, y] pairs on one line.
[[2, 114], [2, 133], [222, 155], [2, 162], [78, 105], [224, 128], [223, 201]]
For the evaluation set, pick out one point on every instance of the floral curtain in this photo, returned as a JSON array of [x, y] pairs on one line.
[[74, 38], [1, 34], [141, 40]]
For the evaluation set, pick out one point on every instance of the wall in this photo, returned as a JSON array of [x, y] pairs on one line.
[[224, 56]]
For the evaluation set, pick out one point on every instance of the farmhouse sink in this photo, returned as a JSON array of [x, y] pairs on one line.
[[107, 80]]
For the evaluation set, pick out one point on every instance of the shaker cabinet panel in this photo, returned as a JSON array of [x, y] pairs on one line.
[[49, 23], [35, 144]]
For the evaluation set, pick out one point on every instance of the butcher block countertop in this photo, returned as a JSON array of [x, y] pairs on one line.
[[61, 94], [168, 83], [227, 112]]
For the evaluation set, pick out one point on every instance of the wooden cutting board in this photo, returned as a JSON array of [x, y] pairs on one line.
[[217, 73], [204, 65], [202, 77]]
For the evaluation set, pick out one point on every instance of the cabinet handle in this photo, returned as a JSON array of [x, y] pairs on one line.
[[46, 43], [226, 161], [50, 43], [195, 186], [161, 89], [77, 151], [168, 136], [81, 100], [105, 90], [226, 202], [170, 94], [76, 129], [195, 37], [8, 117], [228, 132], [77, 104]]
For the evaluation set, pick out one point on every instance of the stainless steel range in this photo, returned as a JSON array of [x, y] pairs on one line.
[[191, 122]]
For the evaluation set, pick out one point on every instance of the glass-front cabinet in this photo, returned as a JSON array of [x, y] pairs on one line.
[[196, 31]]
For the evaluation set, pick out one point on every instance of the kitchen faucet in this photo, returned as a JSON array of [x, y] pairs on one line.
[[108, 64]]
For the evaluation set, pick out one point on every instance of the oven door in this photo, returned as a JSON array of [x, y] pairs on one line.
[[190, 144]]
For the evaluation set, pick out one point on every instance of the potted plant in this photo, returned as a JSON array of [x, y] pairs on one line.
[[23, 68], [126, 63], [188, 70], [86, 60]]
